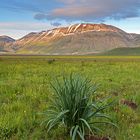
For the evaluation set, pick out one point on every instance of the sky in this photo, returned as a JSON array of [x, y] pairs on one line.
[[20, 17]]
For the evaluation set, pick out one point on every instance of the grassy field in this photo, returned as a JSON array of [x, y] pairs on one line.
[[25, 91]]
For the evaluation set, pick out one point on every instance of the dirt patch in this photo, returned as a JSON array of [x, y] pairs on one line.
[[96, 138], [129, 103]]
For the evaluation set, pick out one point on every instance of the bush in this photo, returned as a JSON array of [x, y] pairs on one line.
[[73, 105], [50, 61]]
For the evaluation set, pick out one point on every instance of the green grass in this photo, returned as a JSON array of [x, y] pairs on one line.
[[123, 52], [25, 92]]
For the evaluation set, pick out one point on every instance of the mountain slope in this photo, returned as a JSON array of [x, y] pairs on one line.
[[75, 39], [123, 52], [4, 40]]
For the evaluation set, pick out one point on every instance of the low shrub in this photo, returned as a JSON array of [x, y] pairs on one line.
[[50, 61]]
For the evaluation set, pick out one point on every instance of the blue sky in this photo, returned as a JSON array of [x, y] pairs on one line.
[[19, 17]]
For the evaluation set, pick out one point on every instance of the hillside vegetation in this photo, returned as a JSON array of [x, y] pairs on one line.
[[123, 51]]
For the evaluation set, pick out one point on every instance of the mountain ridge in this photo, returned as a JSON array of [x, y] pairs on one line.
[[75, 39]]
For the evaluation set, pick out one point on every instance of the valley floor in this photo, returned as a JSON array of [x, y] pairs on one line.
[[25, 90]]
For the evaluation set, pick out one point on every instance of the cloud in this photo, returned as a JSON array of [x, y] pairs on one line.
[[19, 29], [56, 24], [91, 10], [67, 1], [20, 6], [24, 26], [74, 10], [40, 16]]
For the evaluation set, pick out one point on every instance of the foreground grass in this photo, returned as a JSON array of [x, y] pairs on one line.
[[25, 88]]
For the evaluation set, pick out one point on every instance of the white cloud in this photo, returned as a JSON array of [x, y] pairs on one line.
[[24, 25], [19, 29], [91, 10]]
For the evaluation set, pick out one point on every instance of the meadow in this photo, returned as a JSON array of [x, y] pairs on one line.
[[25, 91]]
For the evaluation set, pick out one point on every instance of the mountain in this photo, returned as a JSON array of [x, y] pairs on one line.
[[4, 40], [75, 39]]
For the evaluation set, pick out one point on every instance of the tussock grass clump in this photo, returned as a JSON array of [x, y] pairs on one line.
[[73, 105]]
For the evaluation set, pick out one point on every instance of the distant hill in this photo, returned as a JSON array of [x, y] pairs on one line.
[[78, 39], [4, 40], [123, 51]]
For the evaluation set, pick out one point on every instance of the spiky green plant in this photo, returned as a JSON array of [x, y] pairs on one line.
[[73, 105]]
